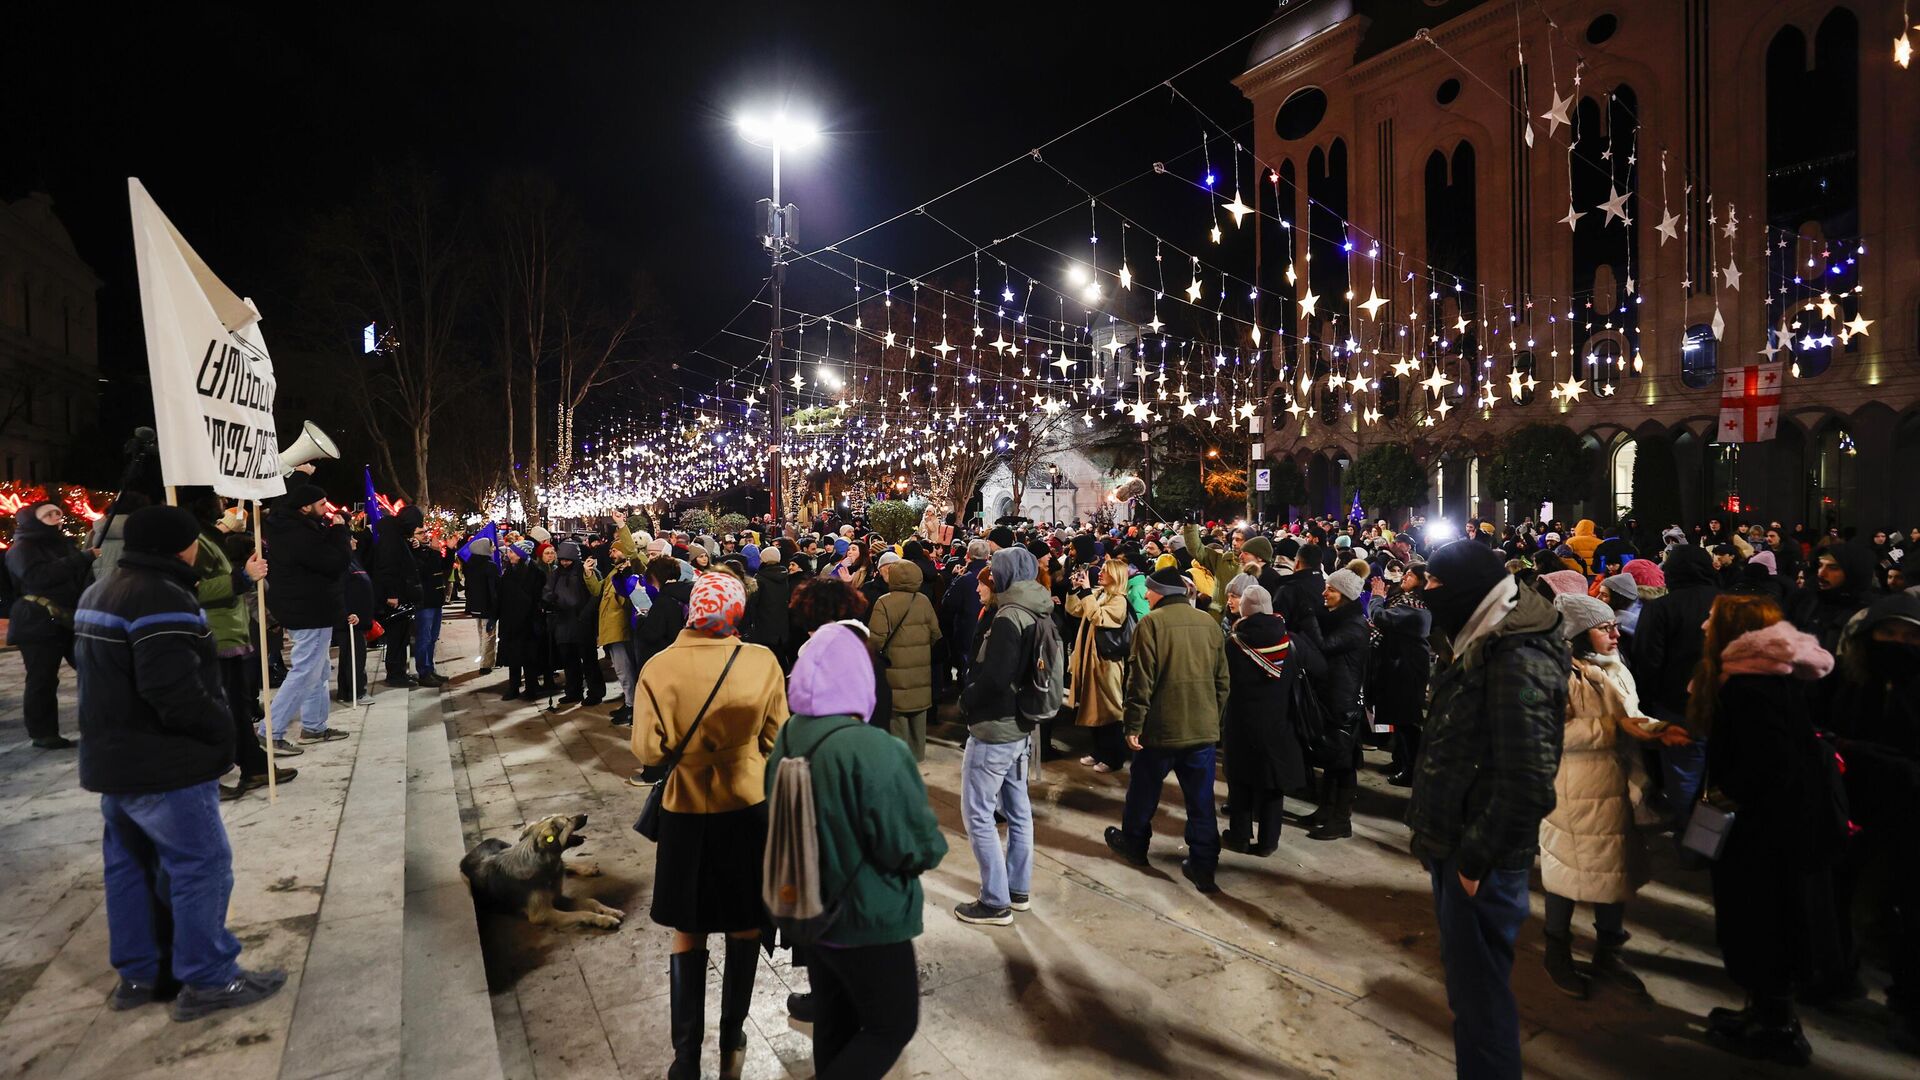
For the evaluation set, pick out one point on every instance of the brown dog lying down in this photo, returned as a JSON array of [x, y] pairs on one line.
[[528, 878]]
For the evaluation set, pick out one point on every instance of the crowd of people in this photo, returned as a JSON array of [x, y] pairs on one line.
[[1541, 692]]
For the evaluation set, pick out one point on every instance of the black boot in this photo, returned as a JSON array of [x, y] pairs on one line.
[[736, 992], [1338, 822], [1268, 816], [1323, 802], [1608, 965], [687, 978], [1766, 1030], [1238, 835], [1561, 970]]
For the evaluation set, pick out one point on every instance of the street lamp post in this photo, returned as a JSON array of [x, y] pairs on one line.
[[777, 134]]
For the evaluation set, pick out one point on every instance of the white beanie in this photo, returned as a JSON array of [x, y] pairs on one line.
[[1346, 583]]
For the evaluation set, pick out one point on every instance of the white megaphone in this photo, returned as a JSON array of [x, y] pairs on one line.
[[312, 445]]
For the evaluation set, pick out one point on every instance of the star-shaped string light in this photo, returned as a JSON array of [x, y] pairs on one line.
[[1307, 302], [1558, 114], [943, 348], [1572, 220], [1237, 208], [1436, 382], [1669, 227], [1731, 275], [1616, 206], [1570, 390], [1374, 304]]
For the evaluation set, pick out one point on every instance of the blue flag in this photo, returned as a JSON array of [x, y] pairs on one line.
[[373, 500], [491, 532], [1356, 514]]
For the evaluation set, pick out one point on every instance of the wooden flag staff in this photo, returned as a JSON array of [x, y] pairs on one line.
[[266, 678]]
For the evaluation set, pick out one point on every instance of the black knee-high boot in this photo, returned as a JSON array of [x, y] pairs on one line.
[[687, 977], [736, 992], [1323, 801], [1268, 816]]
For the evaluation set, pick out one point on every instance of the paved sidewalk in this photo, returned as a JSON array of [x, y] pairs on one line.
[[1321, 961], [54, 975]]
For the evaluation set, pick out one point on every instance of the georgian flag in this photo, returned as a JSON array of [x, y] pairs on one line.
[[1750, 403]]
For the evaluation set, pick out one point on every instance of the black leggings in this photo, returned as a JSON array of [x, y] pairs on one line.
[[866, 1008], [1609, 920], [40, 700]]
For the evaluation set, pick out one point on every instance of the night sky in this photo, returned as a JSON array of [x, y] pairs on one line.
[[245, 122]]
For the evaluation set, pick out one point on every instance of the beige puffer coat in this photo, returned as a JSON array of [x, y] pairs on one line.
[[1589, 848]]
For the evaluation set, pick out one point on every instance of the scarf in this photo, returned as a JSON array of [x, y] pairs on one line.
[[717, 605]]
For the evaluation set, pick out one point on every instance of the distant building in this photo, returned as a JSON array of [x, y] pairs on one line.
[[49, 342], [1080, 492], [1456, 159]]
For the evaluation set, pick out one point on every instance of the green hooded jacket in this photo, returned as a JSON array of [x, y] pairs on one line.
[[876, 830]]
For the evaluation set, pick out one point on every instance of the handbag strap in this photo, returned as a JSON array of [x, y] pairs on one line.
[[896, 626], [673, 759]]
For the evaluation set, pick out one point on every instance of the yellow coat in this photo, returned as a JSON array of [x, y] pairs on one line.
[[725, 765], [1097, 689]]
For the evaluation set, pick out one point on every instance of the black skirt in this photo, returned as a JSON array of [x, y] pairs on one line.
[[706, 871]]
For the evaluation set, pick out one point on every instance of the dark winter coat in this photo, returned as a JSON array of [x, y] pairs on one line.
[[767, 608], [664, 621], [305, 560], [433, 575], [1832, 608], [1299, 600], [1491, 747], [43, 563], [483, 587], [1774, 913], [395, 574], [960, 610], [1668, 639], [1262, 747], [1402, 663], [522, 631], [356, 594], [1343, 633], [153, 713], [572, 615]]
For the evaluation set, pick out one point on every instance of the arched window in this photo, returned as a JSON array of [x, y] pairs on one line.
[[1439, 479], [1699, 353], [1832, 477], [1621, 472], [1605, 360], [1473, 484]]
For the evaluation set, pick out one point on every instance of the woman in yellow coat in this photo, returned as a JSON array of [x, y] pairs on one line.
[[1096, 688], [713, 820]]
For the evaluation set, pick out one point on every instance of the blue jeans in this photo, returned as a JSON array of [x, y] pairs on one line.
[[1476, 945], [1193, 767], [1685, 769], [304, 693], [426, 636], [994, 776], [169, 873]]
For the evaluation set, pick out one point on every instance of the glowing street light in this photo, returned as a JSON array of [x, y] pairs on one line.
[[778, 132]]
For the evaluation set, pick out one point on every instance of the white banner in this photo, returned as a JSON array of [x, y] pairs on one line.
[[212, 378]]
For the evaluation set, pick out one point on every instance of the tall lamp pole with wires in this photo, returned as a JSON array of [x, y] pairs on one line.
[[779, 229]]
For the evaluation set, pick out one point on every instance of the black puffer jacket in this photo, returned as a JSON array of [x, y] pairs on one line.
[[306, 559], [1402, 661], [153, 714], [483, 586], [522, 633], [664, 621], [1668, 639], [43, 563], [767, 607], [433, 564], [1492, 744], [395, 574], [1343, 641]]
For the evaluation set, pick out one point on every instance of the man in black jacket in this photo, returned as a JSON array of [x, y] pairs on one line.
[[309, 552], [1667, 643], [156, 738], [396, 587], [1483, 783], [767, 607], [432, 560]]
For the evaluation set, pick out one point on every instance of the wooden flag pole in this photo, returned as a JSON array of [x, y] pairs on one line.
[[266, 677]]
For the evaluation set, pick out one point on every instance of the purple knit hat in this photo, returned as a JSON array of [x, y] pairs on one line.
[[833, 675]]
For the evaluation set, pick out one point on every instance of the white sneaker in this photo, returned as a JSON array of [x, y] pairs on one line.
[[1089, 760]]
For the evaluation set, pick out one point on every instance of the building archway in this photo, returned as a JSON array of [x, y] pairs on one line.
[[1620, 459], [1832, 476]]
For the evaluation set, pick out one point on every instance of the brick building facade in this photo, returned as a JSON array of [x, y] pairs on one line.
[[1392, 146], [49, 346]]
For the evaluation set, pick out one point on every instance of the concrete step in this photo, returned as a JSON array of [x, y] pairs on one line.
[[446, 1015], [348, 1014]]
